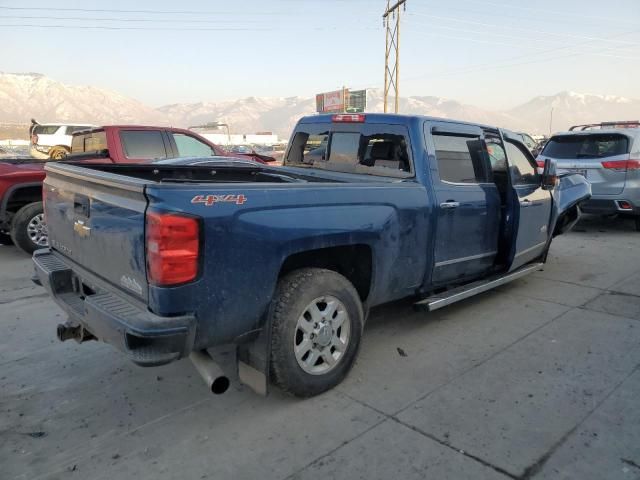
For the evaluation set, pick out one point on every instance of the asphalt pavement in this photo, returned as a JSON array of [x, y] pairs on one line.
[[538, 379]]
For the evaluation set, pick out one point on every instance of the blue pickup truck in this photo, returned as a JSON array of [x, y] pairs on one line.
[[164, 261]]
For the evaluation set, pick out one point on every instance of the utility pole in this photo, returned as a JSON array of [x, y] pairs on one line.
[[392, 46]]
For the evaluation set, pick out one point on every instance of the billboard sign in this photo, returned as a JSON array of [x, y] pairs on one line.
[[341, 101]]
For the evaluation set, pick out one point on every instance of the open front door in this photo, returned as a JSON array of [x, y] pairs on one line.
[[534, 213]]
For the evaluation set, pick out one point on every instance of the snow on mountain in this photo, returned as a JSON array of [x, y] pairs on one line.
[[280, 114], [571, 108], [23, 96], [31, 95]]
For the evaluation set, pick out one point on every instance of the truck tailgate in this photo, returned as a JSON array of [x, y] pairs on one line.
[[99, 224]]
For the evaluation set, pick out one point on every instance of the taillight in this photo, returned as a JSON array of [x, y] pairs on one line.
[[173, 246], [348, 118], [540, 163], [622, 165]]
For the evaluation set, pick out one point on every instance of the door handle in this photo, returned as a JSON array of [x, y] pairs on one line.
[[525, 203], [449, 204]]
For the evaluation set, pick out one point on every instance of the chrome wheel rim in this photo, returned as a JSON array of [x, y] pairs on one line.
[[37, 231], [322, 335]]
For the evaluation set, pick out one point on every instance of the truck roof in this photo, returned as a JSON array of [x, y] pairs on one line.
[[63, 124], [389, 117]]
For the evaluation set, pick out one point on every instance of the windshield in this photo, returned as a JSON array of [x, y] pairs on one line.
[[587, 146], [368, 149]]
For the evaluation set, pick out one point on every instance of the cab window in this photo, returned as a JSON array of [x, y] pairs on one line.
[[143, 144], [461, 159], [521, 166], [189, 146]]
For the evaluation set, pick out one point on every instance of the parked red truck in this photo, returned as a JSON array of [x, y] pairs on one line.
[[21, 214]]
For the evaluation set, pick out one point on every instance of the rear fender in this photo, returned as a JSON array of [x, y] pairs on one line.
[[571, 191]]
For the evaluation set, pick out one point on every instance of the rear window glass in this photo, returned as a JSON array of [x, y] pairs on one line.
[[587, 146], [76, 128], [373, 149], [45, 129], [143, 144], [89, 142], [461, 159]]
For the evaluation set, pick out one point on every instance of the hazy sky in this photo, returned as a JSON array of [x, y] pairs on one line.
[[493, 54]]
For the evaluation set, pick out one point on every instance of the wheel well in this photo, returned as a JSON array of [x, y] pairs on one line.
[[352, 261], [23, 196]]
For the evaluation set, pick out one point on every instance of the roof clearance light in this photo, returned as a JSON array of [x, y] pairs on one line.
[[348, 118]]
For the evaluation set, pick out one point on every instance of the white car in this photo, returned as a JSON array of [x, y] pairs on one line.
[[53, 140]]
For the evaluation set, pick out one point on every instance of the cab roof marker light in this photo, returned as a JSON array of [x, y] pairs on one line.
[[348, 118]]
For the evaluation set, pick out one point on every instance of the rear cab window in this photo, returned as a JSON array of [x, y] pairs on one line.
[[143, 144], [93, 141], [371, 149], [596, 145]]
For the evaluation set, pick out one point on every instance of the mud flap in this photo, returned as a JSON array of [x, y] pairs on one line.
[[254, 361]]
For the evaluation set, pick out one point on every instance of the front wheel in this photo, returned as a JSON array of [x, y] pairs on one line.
[[28, 229], [317, 319]]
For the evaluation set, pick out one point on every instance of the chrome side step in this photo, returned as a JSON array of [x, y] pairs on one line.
[[460, 293]]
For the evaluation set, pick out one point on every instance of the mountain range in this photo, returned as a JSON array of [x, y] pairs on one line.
[[32, 95]]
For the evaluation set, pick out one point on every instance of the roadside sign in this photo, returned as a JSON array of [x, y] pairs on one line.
[[342, 101]]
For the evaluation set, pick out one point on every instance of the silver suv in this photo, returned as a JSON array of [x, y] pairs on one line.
[[608, 156]]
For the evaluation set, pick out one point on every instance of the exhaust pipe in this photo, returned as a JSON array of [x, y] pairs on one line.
[[210, 372]]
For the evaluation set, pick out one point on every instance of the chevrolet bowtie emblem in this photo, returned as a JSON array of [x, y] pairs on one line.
[[81, 229]]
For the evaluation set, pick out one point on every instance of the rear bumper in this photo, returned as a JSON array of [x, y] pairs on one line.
[[147, 339], [609, 206]]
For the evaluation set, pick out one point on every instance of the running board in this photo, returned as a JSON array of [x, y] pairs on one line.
[[460, 293]]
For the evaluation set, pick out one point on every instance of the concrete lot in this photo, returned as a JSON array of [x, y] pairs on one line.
[[540, 379]]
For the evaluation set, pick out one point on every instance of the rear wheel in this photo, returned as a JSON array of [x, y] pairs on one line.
[[28, 229], [58, 153], [317, 318]]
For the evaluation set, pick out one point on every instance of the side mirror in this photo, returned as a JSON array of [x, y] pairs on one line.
[[549, 175]]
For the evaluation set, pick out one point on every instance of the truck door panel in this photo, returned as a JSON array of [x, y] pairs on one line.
[[534, 205], [467, 205]]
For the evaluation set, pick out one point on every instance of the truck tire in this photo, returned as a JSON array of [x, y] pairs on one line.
[[58, 153], [316, 324], [28, 230]]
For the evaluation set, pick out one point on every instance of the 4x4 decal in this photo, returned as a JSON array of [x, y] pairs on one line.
[[210, 200]]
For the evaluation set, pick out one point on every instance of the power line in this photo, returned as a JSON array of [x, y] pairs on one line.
[[547, 11], [145, 20], [490, 25], [487, 66], [175, 29], [155, 12], [492, 34], [492, 42]]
